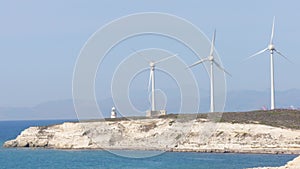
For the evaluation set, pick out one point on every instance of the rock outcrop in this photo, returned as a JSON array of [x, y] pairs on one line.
[[295, 164], [64, 136], [197, 135]]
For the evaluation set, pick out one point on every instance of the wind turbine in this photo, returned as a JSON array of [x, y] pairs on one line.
[[272, 49], [212, 61], [152, 79]]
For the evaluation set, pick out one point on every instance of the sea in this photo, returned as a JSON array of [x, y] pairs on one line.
[[39, 158]]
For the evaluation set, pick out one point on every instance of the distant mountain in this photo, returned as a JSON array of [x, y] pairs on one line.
[[236, 101], [61, 109]]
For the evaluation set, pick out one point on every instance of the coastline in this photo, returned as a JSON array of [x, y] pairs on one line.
[[294, 164], [198, 135], [243, 133]]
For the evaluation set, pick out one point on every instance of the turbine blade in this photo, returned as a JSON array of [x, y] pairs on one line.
[[272, 34], [164, 59], [212, 44], [279, 53], [138, 53], [198, 62], [220, 67], [257, 53], [150, 79]]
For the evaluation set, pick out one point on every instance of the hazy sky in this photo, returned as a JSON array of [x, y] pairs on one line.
[[40, 41]]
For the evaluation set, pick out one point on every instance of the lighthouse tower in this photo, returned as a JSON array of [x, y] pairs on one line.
[[113, 113]]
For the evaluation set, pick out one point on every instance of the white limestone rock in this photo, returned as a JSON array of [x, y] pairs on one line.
[[294, 164], [162, 134]]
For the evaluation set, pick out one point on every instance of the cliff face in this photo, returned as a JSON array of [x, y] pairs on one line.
[[162, 134], [66, 135]]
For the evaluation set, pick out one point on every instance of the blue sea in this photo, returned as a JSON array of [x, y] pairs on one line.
[[26, 158]]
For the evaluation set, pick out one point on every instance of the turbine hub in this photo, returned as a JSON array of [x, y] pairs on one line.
[[271, 47], [151, 64], [210, 58]]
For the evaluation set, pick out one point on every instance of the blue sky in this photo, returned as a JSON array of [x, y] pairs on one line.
[[40, 41]]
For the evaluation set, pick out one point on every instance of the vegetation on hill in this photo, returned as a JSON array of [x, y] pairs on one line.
[[278, 118]]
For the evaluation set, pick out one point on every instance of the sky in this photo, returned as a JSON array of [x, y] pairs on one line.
[[41, 40]]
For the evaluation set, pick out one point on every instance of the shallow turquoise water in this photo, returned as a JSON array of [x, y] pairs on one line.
[[47, 158]]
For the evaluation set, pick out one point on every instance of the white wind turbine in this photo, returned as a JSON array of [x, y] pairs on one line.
[[212, 61], [272, 49], [152, 79]]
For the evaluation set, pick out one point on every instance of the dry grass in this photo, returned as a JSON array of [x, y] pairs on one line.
[[277, 118]]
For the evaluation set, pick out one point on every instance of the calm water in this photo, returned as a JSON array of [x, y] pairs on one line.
[[45, 158]]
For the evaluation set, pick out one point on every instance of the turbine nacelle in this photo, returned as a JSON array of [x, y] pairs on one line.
[[152, 64], [271, 47], [210, 58]]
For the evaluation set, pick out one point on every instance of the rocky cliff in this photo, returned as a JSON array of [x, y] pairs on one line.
[[199, 135]]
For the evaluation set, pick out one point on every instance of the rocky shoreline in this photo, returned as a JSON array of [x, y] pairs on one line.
[[294, 164], [198, 135], [165, 134]]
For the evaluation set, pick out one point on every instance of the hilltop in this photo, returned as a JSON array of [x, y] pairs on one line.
[[277, 118], [283, 118]]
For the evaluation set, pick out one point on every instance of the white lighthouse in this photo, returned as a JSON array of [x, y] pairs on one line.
[[113, 113]]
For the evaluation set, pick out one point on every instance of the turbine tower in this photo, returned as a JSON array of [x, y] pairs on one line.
[[212, 61], [271, 48], [152, 79]]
